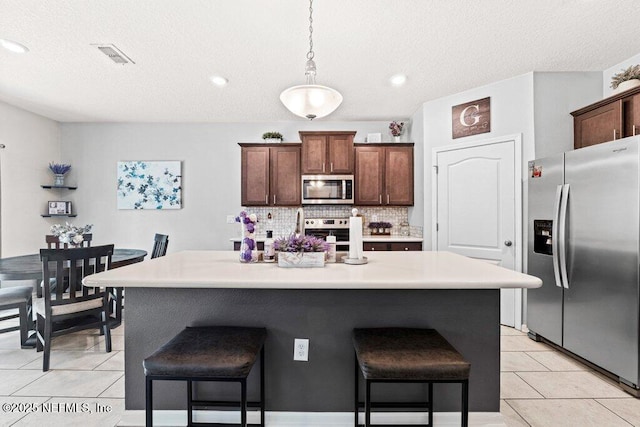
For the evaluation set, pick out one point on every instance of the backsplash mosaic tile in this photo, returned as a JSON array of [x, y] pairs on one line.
[[283, 220]]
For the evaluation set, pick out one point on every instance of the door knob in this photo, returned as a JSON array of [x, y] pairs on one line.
[[508, 243]]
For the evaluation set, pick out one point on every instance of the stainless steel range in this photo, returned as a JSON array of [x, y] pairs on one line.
[[323, 227]]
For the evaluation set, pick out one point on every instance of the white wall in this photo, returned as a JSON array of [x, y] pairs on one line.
[[31, 142], [615, 69], [210, 159], [555, 96]]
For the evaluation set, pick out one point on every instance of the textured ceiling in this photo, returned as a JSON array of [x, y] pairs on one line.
[[444, 46]]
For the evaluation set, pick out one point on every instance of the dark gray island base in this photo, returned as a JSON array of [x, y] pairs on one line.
[[467, 318]]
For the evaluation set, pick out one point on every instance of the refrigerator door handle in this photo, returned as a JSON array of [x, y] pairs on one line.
[[555, 236], [562, 229]]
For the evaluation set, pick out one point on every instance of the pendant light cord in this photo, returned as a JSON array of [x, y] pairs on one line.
[[310, 54]]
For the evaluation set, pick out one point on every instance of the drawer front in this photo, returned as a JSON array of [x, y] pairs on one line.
[[375, 246], [408, 246]]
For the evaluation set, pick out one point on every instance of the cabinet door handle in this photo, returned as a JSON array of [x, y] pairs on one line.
[[322, 166], [373, 249], [406, 249], [614, 134], [380, 198], [331, 166], [634, 130], [266, 199], [274, 199], [387, 199]]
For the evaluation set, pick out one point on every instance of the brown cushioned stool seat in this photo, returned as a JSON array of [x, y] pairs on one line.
[[19, 297], [209, 353], [397, 355]]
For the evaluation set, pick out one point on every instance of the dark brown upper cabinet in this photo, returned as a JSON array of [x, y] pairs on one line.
[[615, 117], [327, 152], [384, 174], [270, 175]]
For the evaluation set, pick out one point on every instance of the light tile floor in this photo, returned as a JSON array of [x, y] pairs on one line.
[[85, 386], [540, 387]]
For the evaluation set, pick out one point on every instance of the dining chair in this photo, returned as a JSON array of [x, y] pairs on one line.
[[67, 309], [160, 243], [20, 298], [53, 242]]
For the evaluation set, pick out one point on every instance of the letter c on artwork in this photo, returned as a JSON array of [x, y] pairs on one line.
[[476, 117]]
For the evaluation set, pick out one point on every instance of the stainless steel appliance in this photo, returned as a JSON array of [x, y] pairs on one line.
[[323, 227], [327, 189], [584, 244]]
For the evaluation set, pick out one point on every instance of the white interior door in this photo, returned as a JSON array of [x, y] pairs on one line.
[[477, 206]]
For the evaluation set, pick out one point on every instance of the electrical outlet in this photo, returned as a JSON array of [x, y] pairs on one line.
[[301, 349], [374, 218], [231, 219]]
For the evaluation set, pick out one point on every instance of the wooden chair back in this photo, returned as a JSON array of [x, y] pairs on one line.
[[160, 243], [69, 267], [53, 242]]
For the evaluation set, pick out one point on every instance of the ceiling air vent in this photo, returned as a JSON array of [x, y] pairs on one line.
[[115, 54]]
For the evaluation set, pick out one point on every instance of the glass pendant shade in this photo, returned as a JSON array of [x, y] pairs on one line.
[[311, 101]]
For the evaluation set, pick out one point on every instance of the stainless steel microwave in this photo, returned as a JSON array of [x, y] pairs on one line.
[[327, 189]]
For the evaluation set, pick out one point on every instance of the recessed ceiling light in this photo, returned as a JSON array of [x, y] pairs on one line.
[[219, 81], [14, 47], [398, 79]]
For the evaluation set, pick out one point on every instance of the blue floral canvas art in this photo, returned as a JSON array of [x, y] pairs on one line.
[[149, 185]]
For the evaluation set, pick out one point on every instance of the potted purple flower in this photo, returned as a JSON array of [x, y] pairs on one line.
[[59, 169], [396, 129], [300, 251], [248, 246]]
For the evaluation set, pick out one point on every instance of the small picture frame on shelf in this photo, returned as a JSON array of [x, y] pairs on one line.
[[59, 207], [374, 137]]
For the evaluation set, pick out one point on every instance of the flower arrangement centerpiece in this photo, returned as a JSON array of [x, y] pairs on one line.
[[626, 79], [70, 234], [300, 251], [248, 246], [59, 169], [380, 228], [396, 129]]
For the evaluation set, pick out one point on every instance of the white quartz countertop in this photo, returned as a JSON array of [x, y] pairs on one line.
[[385, 270]]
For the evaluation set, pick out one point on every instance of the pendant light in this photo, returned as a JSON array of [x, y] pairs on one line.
[[311, 100]]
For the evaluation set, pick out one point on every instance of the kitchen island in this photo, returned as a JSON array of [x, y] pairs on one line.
[[456, 295]]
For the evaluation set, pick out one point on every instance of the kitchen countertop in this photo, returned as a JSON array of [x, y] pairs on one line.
[[385, 270]]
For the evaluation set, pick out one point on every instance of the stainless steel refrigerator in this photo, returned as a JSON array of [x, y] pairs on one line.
[[584, 244]]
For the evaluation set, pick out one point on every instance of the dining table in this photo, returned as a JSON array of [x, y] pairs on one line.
[[29, 267]]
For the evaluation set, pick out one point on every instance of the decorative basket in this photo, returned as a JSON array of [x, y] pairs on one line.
[[300, 259]]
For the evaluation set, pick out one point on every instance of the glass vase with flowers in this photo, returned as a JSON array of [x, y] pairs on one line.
[[248, 245]]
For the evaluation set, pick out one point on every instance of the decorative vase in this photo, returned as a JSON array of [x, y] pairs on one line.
[[59, 180], [396, 138], [626, 85], [248, 245], [301, 259]]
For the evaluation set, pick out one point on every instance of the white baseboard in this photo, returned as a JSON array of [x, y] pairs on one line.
[[310, 419]]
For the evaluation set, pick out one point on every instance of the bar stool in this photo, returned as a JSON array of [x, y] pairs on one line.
[[208, 353], [407, 355]]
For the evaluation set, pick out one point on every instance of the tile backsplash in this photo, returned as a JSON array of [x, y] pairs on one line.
[[283, 220]]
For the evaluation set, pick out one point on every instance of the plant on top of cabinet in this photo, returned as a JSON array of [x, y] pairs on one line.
[[272, 137], [630, 75]]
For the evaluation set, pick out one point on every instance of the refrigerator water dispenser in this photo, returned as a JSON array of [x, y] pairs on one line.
[[542, 236]]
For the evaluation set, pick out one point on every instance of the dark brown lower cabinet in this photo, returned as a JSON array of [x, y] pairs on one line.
[[392, 246]]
